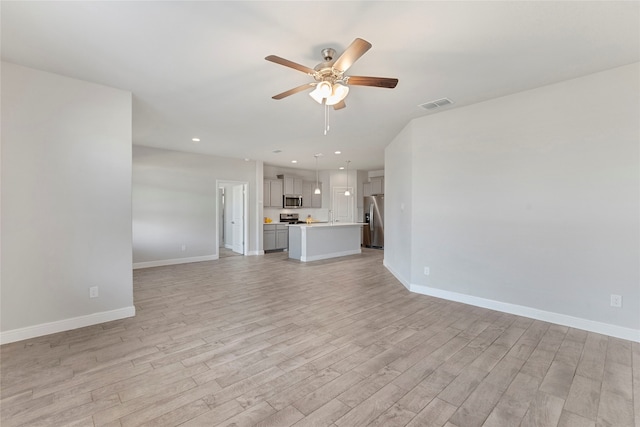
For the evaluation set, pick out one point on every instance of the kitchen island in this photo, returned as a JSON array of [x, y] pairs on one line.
[[315, 241]]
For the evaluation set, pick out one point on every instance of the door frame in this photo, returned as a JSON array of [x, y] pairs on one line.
[[339, 192], [245, 213]]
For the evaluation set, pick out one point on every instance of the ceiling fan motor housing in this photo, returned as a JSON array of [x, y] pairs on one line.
[[325, 70], [328, 54]]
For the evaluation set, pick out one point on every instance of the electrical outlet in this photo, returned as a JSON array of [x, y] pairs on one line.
[[93, 292], [426, 271], [616, 300]]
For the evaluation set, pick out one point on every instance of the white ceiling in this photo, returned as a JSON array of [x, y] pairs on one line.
[[198, 68]]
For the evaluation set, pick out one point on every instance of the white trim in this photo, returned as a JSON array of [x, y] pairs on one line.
[[245, 213], [163, 262], [329, 255], [250, 253], [405, 283], [533, 313], [520, 310], [65, 325]]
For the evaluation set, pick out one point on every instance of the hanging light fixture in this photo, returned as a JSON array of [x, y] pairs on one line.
[[347, 193], [327, 94], [317, 190], [322, 91], [338, 93]]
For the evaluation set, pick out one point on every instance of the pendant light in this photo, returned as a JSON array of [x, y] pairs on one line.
[[347, 193], [317, 190]]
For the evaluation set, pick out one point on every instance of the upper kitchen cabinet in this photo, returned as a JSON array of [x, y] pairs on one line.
[[309, 199], [377, 185], [316, 199], [307, 192], [272, 193], [374, 186], [292, 184]]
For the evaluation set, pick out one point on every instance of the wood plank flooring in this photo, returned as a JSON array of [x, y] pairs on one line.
[[268, 341]]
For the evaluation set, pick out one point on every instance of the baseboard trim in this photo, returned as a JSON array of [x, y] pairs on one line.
[[524, 311], [401, 279], [163, 262], [532, 313], [20, 334], [255, 253]]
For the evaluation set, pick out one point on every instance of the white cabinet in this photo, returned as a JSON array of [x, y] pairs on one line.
[[276, 193], [307, 192], [374, 186], [309, 198], [272, 195], [275, 237], [269, 237], [292, 185], [282, 237], [377, 185], [316, 199], [366, 189]]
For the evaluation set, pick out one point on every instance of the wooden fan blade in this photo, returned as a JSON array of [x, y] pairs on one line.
[[294, 90], [339, 106], [372, 81], [355, 50], [290, 64]]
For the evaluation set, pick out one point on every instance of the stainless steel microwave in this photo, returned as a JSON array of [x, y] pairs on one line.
[[292, 201]]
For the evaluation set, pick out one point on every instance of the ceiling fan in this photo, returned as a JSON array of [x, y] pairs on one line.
[[331, 84]]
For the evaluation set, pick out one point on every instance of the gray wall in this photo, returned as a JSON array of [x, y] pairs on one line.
[[398, 206], [66, 203], [174, 204], [530, 201]]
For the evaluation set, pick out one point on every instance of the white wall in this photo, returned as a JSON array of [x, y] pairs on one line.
[[528, 203], [398, 206], [174, 204], [66, 203]]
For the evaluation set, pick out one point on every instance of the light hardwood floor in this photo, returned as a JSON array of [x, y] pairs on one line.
[[271, 342]]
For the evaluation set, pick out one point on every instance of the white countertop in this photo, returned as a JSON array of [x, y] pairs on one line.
[[326, 224]]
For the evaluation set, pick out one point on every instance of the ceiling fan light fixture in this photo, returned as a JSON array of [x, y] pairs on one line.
[[339, 93], [323, 90]]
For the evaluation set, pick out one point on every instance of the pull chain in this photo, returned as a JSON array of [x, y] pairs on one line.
[[326, 118]]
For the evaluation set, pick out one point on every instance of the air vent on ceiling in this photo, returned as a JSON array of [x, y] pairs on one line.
[[434, 105]]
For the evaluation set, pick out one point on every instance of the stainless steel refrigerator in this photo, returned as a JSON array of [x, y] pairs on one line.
[[374, 216]]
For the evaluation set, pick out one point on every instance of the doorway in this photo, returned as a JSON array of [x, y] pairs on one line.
[[342, 205], [231, 218]]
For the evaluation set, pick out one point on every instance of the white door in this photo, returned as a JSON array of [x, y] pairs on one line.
[[237, 218], [342, 205], [221, 232]]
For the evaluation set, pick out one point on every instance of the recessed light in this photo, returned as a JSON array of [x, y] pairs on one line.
[[195, 139], [294, 161], [246, 159], [341, 167], [337, 152]]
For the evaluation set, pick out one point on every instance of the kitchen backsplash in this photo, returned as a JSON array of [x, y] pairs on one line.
[[316, 214]]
